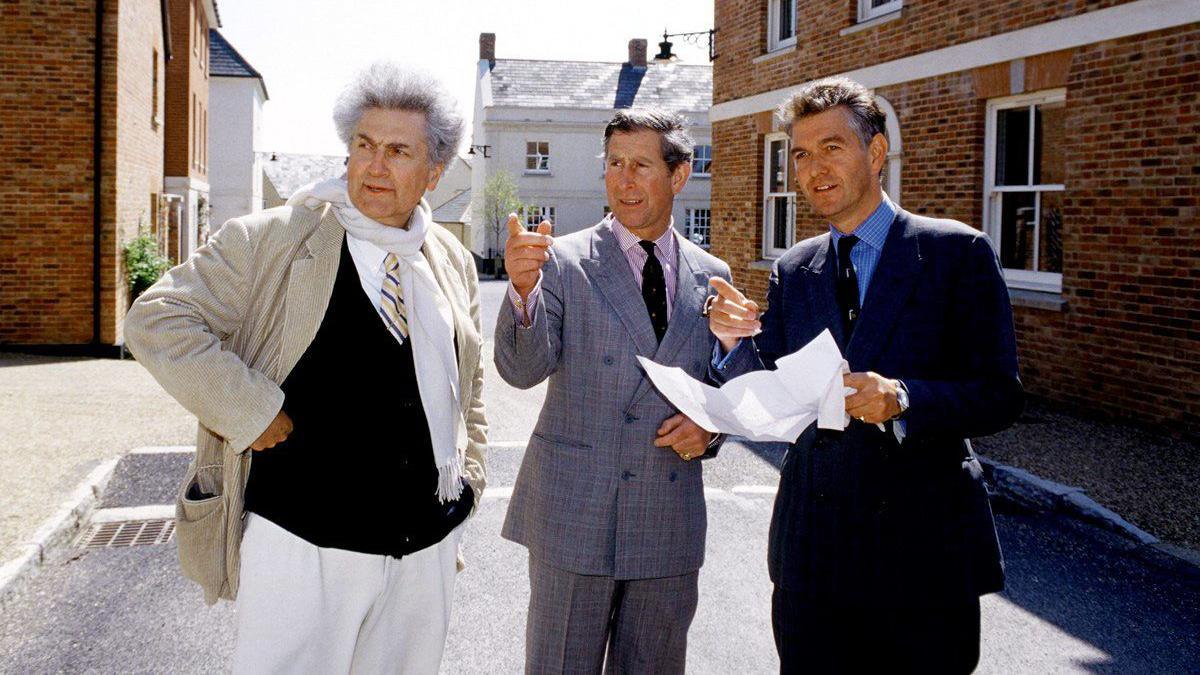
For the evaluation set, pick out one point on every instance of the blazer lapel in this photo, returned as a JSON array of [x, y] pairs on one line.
[[822, 292], [609, 272], [891, 285], [309, 285]]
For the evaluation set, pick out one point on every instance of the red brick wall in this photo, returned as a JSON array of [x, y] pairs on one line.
[[924, 25], [1128, 340], [187, 91], [46, 173], [139, 151]]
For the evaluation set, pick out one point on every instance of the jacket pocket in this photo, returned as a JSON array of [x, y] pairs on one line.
[[200, 528]]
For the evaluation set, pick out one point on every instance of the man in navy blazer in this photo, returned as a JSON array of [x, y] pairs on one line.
[[881, 541]]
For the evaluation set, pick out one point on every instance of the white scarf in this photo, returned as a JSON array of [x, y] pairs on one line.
[[430, 322]]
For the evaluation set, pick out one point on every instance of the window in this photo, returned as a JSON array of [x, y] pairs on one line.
[[779, 198], [203, 139], [195, 131], [534, 215], [781, 24], [702, 160], [537, 157], [698, 227], [1024, 165], [869, 9]]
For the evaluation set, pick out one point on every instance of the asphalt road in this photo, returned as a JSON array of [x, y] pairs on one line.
[[1079, 599]]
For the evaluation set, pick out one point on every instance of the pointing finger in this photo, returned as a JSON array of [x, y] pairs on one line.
[[514, 225]]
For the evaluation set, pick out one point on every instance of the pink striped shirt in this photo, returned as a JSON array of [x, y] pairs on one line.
[[666, 249]]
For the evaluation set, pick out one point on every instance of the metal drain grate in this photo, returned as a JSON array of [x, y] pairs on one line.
[[126, 533]]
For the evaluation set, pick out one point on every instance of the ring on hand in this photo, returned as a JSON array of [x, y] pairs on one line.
[[708, 303], [686, 456], [860, 419]]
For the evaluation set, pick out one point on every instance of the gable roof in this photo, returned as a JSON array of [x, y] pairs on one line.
[[597, 85], [455, 210], [290, 172], [225, 61]]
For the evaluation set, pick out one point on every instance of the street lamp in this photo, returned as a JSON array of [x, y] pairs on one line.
[[482, 149]]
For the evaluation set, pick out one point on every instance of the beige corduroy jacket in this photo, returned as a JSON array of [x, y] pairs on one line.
[[223, 330]]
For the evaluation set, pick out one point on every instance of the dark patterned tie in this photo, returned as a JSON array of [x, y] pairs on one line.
[[654, 290], [847, 286]]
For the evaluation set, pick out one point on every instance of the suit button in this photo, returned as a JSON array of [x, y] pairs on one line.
[[608, 360], [630, 419], [673, 476], [627, 475], [882, 507]]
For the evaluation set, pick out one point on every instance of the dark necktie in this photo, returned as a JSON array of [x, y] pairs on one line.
[[654, 290], [847, 286]]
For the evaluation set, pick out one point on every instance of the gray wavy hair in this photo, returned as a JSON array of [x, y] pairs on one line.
[[392, 86]]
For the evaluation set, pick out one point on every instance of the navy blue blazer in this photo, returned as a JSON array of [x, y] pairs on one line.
[[860, 519]]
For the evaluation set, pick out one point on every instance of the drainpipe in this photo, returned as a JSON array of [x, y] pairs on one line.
[[97, 159]]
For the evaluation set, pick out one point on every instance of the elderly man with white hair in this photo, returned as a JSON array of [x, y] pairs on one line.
[[330, 349]]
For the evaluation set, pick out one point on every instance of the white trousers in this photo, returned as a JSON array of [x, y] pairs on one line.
[[306, 609]]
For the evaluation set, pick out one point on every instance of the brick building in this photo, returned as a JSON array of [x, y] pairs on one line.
[[60, 263], [1067, 131], [186, 158]]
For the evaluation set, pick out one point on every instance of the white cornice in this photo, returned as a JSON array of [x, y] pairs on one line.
[[1132, 18]]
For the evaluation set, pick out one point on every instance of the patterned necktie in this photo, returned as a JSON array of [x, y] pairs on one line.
[[847, 286], [391, 299], [654, 290]]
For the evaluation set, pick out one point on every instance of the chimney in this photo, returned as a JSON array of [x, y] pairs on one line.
[[487, 47], [637, 53]]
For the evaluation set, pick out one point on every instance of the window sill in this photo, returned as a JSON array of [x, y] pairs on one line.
[[766, 264], [536, 173], [1046, 300], [778, 51], [871, 23], [705, 176]]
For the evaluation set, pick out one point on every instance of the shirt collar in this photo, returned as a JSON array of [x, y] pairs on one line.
[[874, 230], [366, 250], [627, 240]]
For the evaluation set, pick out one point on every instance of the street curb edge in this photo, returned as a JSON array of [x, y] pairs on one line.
[[56, 530]]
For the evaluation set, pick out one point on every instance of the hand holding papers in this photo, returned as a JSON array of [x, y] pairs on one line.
[[767, 405]]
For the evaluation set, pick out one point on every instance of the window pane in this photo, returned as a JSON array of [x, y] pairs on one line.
[[1012, 146], [531, 163], [531, 148], [1050, 233], [787, 17], [1017, 224], [777, 176], [1049, 162], [779, 222]]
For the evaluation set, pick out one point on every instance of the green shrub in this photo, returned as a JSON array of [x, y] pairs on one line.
[[143, 264]]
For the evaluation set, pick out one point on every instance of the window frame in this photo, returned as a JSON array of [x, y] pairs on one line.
[[540, 158], [697, 173], [690, 219], [866, 12], [541, 209], [768, 250], [1033, 280], [774, 44]]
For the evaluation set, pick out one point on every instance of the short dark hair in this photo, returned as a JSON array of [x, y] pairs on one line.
[[866, 117], [671, 127]]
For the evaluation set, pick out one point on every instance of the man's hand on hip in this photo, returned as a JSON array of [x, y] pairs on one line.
[[731, 315], [686, 438], [277, 432], [525, 253], [874, 402]]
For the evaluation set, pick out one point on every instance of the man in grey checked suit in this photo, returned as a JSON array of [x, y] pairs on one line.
[[609, 500]]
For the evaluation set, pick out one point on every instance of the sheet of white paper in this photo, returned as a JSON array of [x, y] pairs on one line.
[[766, 405]]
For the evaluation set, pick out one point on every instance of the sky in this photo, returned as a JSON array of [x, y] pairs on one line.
[[307, 50]]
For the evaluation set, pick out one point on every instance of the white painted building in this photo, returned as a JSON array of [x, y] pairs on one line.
[[236, 96], [543, 123]]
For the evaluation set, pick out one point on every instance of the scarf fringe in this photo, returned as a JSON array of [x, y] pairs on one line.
[[450, 479]]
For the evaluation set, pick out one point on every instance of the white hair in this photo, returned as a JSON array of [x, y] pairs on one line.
[[391, 86]]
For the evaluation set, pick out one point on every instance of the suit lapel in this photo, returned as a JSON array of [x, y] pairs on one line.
[[310, 283], [822, 292], [609, 272], [893, 282]]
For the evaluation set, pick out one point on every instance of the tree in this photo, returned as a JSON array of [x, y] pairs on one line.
[[500, 198]]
